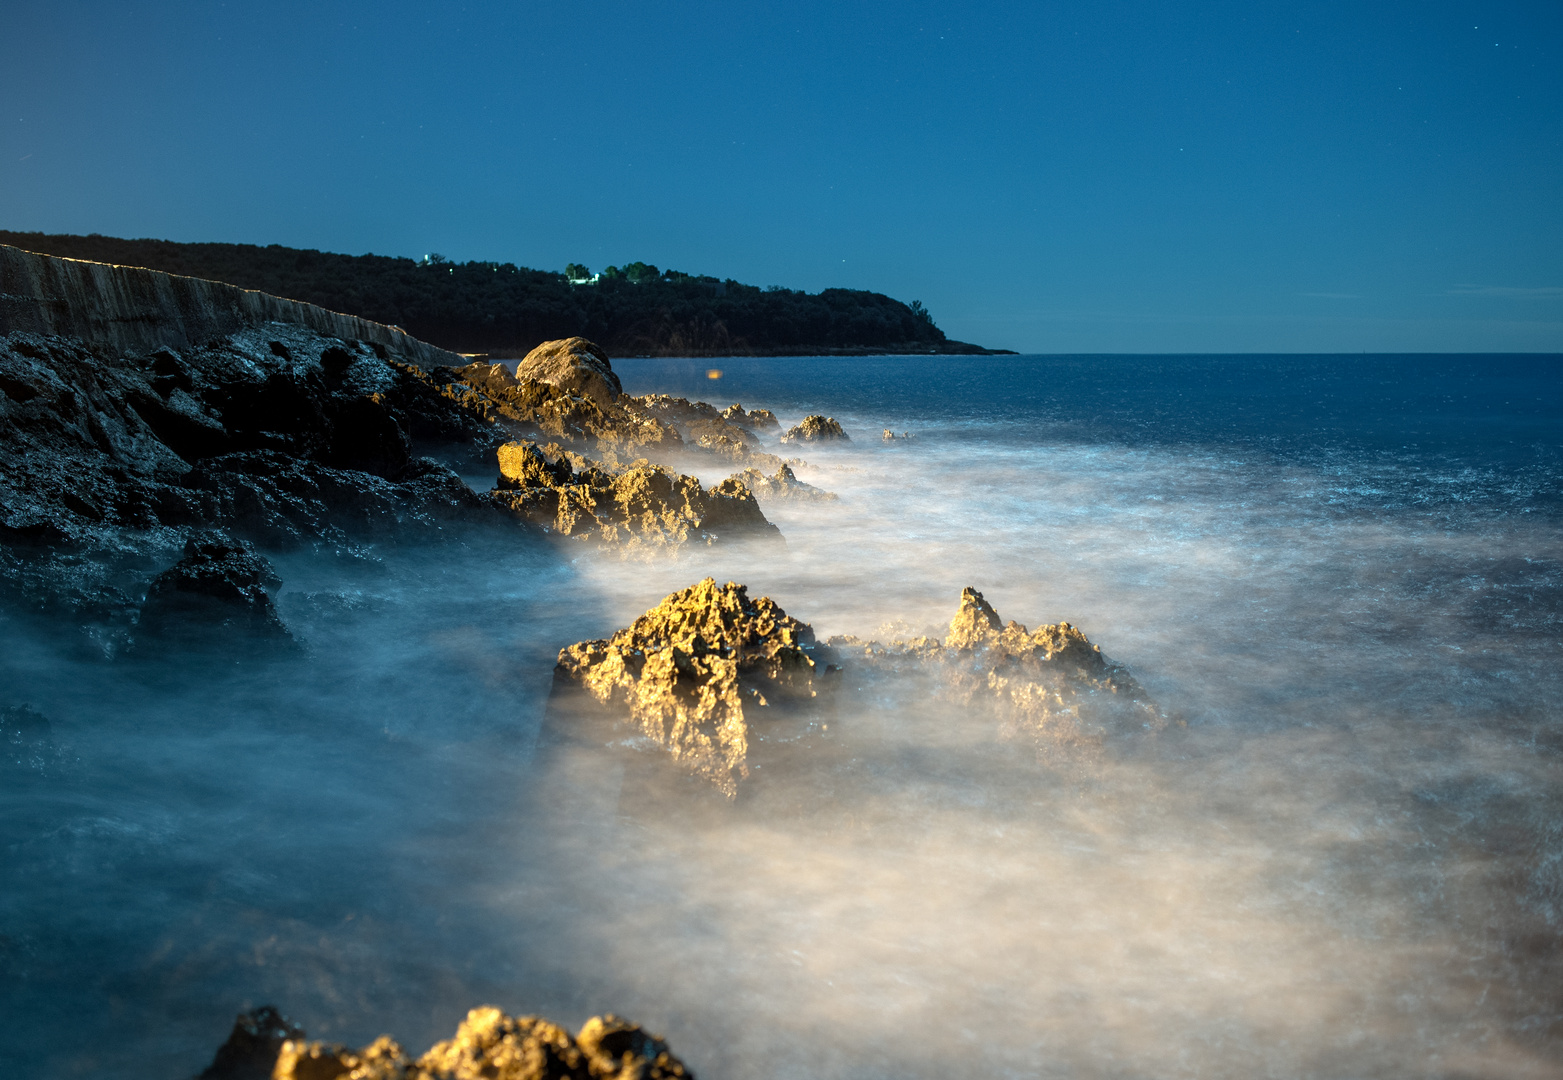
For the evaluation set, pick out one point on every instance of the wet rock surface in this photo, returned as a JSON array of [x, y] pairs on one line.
[[488, 1045], [693, 675], [695, 672], [637, 509], [816, 429]]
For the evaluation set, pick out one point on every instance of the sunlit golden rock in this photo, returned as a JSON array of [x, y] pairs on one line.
[[690, 672], [637, 509], [488, 1045], [574, 365], [816, 429]]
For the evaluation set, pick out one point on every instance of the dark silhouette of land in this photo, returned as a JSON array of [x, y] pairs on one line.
[[505, 310]]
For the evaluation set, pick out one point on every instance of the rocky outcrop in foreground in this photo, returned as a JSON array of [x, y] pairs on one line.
[[705, 673], [635, 509], [489, 1045], [783, 485], [691, 672]]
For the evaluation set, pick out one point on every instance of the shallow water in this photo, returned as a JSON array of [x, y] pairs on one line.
[[1345, 575]]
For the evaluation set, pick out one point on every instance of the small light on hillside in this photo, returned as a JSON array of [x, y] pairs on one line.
[[714, 373]]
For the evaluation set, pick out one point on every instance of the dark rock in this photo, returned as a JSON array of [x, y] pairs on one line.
[[575, 366], [216, 594], [816, 429], [252, 1047]]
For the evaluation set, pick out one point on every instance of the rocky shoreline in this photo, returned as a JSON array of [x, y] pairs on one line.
[[162, 438]]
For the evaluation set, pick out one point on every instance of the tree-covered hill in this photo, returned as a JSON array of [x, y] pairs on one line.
[[505, 310]]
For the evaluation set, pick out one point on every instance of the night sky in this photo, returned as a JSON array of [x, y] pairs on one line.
[[1045, 177]]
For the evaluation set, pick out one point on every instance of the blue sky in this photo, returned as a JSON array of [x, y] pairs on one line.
[[1046, 177]]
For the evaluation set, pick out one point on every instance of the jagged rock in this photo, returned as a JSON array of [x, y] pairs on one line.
[[252, 1047], [754, 419], [816, 429], [1050, 685], [783, 485], [536, 409], [575, 366], [728, 433], [27, 741], [694, 672], [488, 1045], [218, 590], [276, 435], [635, 508]]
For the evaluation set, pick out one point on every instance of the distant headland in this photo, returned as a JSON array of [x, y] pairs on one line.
[[503, 310]]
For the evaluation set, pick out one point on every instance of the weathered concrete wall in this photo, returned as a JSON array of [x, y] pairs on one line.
[[137, 310]]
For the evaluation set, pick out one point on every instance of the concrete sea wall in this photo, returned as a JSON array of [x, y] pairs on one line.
[[137, 310]]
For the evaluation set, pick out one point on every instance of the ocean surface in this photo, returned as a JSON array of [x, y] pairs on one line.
[[1342, 574]]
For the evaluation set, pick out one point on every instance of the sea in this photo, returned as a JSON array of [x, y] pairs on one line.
[[1340, 576]]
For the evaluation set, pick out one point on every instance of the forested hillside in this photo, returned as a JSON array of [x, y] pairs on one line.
[[505, 310]]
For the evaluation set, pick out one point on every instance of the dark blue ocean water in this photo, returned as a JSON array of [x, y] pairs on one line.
[[1499, 414]]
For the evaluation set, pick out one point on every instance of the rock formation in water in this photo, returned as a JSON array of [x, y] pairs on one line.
[[784, 485], [693, 673], [634, 508], [753, 419], [816, 429], [730, 433], [1050, 685], [488, 1045]]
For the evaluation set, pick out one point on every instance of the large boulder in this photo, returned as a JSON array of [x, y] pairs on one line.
[[696, 671], [574, 365]]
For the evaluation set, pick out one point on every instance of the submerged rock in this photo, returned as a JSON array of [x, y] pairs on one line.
[[784, 484], [816, 429], [488, 1045], [634, 508], [693, 672]]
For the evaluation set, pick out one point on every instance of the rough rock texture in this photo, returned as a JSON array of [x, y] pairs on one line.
[[128, 309], [218, 591], [816, 429], [540, 410], [784, 484], [575, 366], [694, 671], [488, 1045], [276, 434], [729, 433], [1050, 685], [754, 419], [692, 674], [637, 508]]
